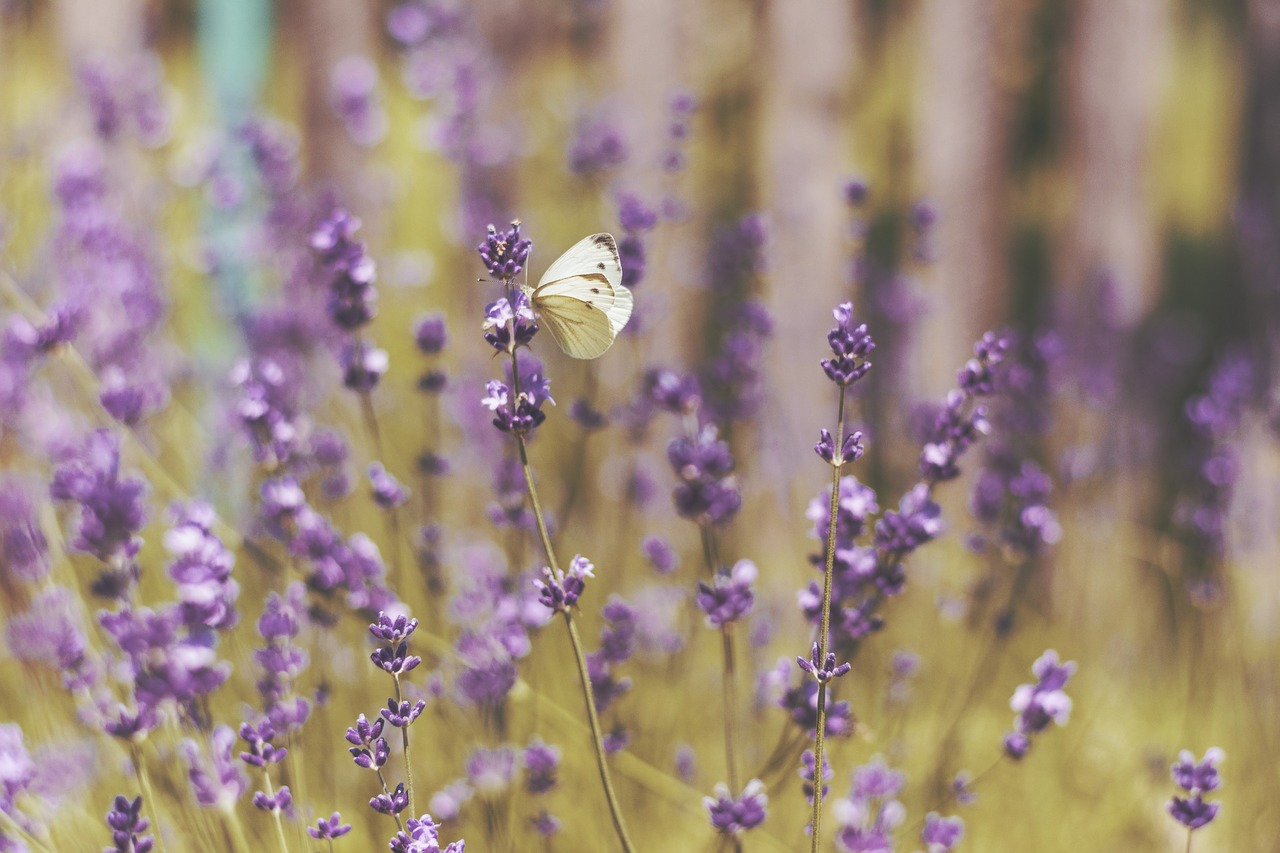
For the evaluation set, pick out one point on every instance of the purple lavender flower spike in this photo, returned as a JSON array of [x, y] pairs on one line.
[[731, 816], [112, 508], [261, 751], [331, 827], [217, 781], [353, 87], [403, 713], [1038, 705], [671, 392], [388, 493], [941, 834], [509, 324], [350, 272], [393, 629], [393, 803], [807, 775], [362, 365], [851, 448], [504, 253], [541, 762], [430, 334], [422, 835], [823, 670], [871, 813], [281, 801], [730, 596], [707, 492], [491, 771], [127, 827], [597, 146], [1197, 779], [850, 346], [558, 591]]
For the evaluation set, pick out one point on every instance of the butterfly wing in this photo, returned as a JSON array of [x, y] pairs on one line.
[[581, 298], [594, 255], [581, 328]]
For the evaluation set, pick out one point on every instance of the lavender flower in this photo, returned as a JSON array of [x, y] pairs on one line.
[[596, 147], [850, 345], [127, 827], [348, 271], [941, 834], [1037, 705], [112, 508], [729, 597], [491, 771], [730, 816], [541, 762], [422, 835], [505, 253], [331, 827], [823, 669], [430, 334], [216, 780], [707, 492], [870, 814], [558, 591], [387, 491], [362, 365], [1197, 779]]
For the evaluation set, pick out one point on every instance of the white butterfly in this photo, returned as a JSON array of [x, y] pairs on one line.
[[580, 298]]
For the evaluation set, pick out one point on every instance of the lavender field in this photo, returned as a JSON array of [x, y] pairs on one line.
[[639, 425]]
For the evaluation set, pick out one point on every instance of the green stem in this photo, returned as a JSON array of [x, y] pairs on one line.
[[148, 796], [1188, 840], [819, 736], [284, 845], [597, 738], [408, 765], [615, 810]]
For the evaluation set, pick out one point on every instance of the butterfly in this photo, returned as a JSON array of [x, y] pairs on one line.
[[580, 298]]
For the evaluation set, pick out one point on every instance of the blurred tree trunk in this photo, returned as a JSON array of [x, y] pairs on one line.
[[326, 32], [109, 30], [1256, 504], [807, 61], [1116, 71], [649, 63], [962, 139]]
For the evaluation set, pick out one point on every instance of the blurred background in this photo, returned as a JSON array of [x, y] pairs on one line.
[[1102, 177]]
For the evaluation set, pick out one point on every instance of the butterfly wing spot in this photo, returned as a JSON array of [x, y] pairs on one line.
[[595, 290]]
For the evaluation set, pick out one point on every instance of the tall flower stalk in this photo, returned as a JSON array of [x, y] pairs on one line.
[[509, 325], [850, 345]]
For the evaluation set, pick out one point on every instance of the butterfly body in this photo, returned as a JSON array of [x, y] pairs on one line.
[[580, 298]]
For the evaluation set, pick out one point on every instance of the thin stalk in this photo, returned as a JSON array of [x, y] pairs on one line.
[[584, 678], [615, 810], [819, 736], [284, 845], [1188, 840], [729, 687], [148, 795], [408, 765]]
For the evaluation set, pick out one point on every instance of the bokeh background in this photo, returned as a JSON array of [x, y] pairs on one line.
[[1101, 176]]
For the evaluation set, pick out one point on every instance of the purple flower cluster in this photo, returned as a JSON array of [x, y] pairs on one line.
[[1011, 497], [1037, 705], [282, 661], [127, 826], [558, 591], [352, 566], [387, 491], [1197, 779], [729, 596], [201, 571], [730, 815], [596, 147], [868, 817], [112, 509], [1211, 459], [636, 219], [216, 779], [348, 271], [850, 344], [422, 835], [519, 413], [707, 492], [266, 409], [509, 323], [24, 551], [505, 253]]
